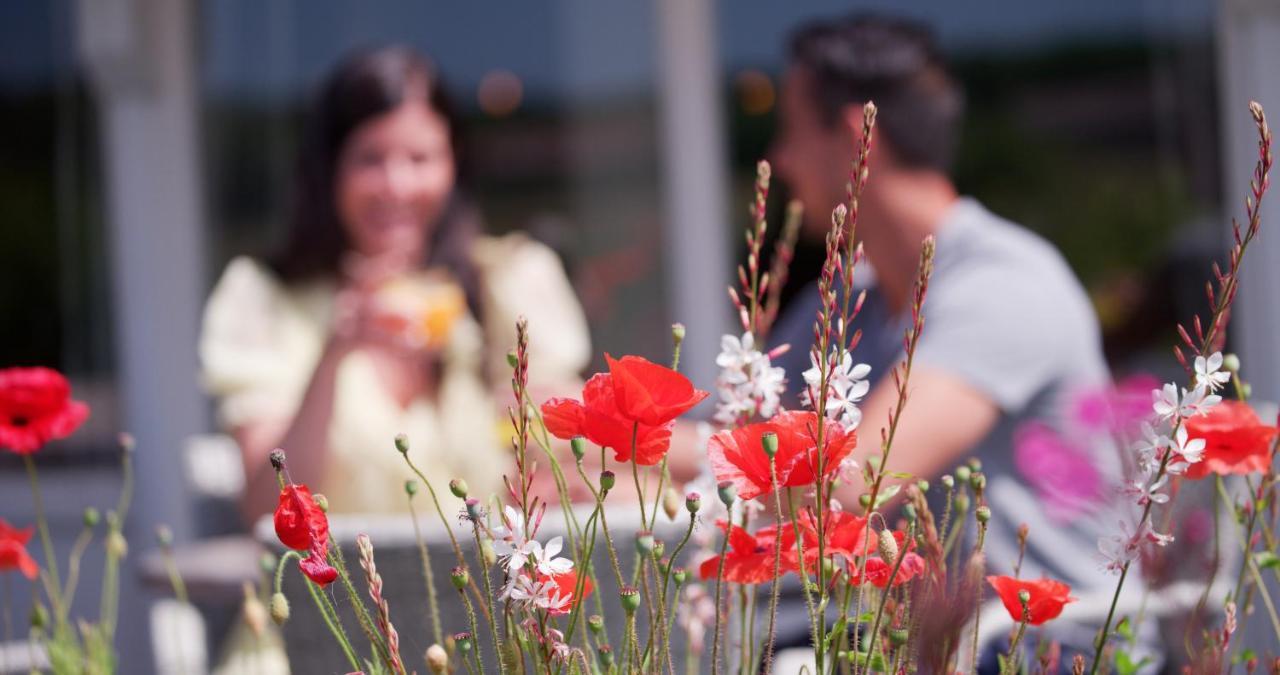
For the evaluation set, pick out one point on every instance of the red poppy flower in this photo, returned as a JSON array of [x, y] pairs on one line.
[[1235, 440], [749, 559], [13, 550], [878, 569], [597, 418], [844, 533], [35, 408], [565, 585], [302, 526], [737, 456], [649, 393], [1047, 597]]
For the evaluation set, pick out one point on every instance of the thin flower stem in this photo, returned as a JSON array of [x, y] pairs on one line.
[[331, 621], [635, 472], [73, 563], [884, 598], [775, 592], [488, 595], [815, 626], [357, 603], [428, 576], [977, 616], [1013, 663], [719, 624], [46, 542]]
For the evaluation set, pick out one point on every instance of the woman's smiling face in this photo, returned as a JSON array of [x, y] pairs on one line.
[[394, 177]]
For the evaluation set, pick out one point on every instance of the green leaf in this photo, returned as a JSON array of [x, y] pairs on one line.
[[1124, 629], [886, 494], [1266, 559], [901, 475]]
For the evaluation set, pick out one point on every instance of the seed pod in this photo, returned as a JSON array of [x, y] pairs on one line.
[[279, 608]]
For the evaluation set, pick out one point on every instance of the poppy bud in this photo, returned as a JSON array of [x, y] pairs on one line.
[[607, 480], [486, 549], [117, 545], [1231, 363], [39, 616], [828, 568], [978, 481], [975, 464], [693, 502], [659, 547], [898, 636], [864, 500], [437, 659], [947, 481], [279, 608], [321, 501], [1024, 597], [606, 656], [888, 547], [595, 622], [473, 508], [411, 487], [679, 575], [458, 577], [671, 503], [458, 487], [963, 473], [728, 493], [92, 517], [630, 599], [463, 641], [677, 332], [277, 459], [164, 536], [402, 443], [983, 514], [578, 445], [769, 441], [128, 443], [922, 485], [909, 510], [644, 542]]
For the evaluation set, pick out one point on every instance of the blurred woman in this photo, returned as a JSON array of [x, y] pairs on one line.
[[386, 312]]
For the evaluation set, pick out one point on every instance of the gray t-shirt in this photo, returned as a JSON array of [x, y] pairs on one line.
[[1005, 314]]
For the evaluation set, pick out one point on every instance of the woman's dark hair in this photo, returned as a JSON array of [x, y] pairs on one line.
[[894, 62], [363, 86]]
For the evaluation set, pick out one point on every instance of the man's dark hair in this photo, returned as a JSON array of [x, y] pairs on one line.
[[894, 62]]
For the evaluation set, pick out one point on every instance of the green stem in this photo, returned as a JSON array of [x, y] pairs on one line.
[[718, 626], [51, 560], [428, 576], [775, 592]]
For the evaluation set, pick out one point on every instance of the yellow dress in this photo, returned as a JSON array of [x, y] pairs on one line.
[[261, 341]]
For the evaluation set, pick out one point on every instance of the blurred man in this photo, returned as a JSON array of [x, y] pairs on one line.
[[1008, 327]]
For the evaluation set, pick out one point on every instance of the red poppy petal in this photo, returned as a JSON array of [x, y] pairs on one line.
[[649, 393], [317, 570], [563, 417]]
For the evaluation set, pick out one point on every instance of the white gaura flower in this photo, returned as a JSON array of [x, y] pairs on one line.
[[1150, 449], [1189, 451], [1167, 404], [1164, 401], [1120, 549], [748, 383], [546, 560], [1198, 401], [845, 389], [509, 540], [1147, 493], [1209, 372]]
